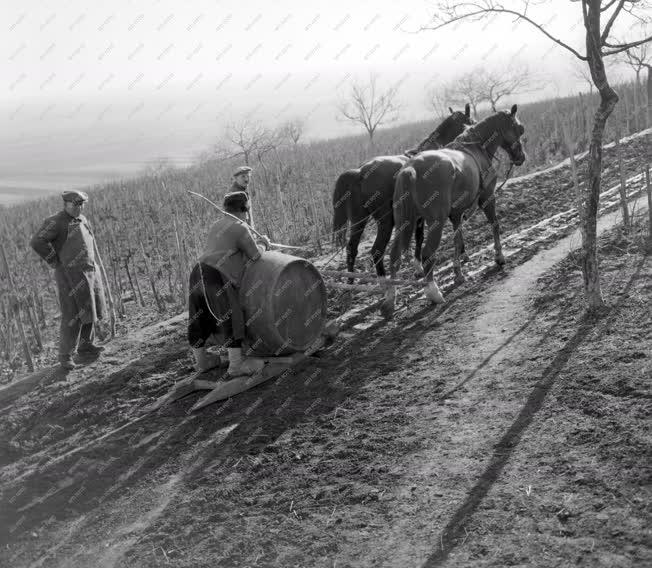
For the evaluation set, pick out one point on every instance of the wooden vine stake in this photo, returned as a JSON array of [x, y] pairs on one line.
[[107, 287], [15, 306]]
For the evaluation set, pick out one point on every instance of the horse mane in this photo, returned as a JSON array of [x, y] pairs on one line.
[[476, 133], [437, 132]]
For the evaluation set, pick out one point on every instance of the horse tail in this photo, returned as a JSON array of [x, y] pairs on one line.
[[405, 213], [343, 197]]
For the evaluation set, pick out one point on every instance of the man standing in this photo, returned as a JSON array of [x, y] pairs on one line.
[[65, 241], [241, 179], [213, 304]]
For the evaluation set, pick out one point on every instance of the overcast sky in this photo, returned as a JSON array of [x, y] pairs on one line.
[[95, 86]]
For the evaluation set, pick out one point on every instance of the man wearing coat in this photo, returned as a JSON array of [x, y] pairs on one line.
[[241, 179], [65, 241], [213, 304]]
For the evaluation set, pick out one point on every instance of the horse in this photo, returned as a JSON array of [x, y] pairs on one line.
[[367, 192], [440, 184]]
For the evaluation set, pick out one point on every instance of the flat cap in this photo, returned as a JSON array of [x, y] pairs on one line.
[[241, 170], [74, 195], [236, 200]]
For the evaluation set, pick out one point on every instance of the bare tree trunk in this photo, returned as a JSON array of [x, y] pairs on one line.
[[608, 100]]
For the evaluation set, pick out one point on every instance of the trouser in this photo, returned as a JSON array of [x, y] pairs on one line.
[[213, 309], [72, 334]]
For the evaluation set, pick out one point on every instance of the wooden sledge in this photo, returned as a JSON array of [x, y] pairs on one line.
[[221, 390]]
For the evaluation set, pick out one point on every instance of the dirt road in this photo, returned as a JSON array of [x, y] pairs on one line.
[[436, 439]]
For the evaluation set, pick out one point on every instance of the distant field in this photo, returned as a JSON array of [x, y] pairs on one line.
[[20, 187]]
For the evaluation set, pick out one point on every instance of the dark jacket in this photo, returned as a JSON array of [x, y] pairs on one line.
[[49, 239]]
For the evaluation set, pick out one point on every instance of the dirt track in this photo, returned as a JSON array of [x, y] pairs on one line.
[[484, 432]]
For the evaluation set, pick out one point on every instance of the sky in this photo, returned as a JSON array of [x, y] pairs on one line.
[[95, 90]]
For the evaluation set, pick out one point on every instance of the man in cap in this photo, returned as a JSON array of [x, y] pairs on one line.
[[241, 179], [65, 241], [213, 305]]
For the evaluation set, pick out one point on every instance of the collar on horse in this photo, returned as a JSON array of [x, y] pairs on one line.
[[481, 158]]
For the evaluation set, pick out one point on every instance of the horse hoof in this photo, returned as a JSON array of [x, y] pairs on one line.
[[459, 280], [434, 294], [387, 310], [500, 259], [464, 258], [418, 274]]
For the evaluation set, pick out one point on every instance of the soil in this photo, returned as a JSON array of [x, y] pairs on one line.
[[503, 428]]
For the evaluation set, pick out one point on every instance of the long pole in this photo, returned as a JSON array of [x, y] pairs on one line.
[[277, 245]]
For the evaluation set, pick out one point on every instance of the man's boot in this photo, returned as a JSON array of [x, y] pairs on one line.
[[90, 349], [205, 361], [67, 364], [87, 348], [240, 365]]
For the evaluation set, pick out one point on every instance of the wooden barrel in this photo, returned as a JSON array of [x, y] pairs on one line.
[[284, 302]]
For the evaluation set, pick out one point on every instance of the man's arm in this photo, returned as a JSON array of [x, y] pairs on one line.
[[247, 244], [42, 241]]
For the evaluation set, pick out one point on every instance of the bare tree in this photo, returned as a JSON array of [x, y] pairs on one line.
[[583, 73], [292, 130], [437, 100], [496, 85], [248, 138], [598, 17], [468, 87], [639, 58], [370, 106]]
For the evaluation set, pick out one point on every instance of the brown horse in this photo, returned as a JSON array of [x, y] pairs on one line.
[[442, 184], [367, 191]]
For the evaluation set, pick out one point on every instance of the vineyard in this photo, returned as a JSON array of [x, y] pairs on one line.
[[421, 441], [149, 230]]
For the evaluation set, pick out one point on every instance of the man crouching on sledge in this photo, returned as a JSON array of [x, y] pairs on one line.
[[213, 304]]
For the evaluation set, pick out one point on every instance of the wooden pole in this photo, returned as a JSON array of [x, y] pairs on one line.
[[623, 190], [159, 304], [181, 271], [31, 316], [649, 197], [107, 287], [13, 299]]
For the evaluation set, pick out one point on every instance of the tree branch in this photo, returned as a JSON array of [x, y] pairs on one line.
[[490, 8], [624, 46], [610, 23]]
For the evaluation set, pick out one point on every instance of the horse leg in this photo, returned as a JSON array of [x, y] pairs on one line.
[[418, 238], [489, 208], [357, 228], [464, 258], [432, 243], [383, 234], [459, 248], [389, 303]]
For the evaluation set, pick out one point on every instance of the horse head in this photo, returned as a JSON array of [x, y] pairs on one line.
[[460, 119], [511, 130], [450, 128]]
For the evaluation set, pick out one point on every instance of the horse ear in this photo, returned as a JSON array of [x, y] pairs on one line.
[[467, 110], [514, 109], [449, 108]]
